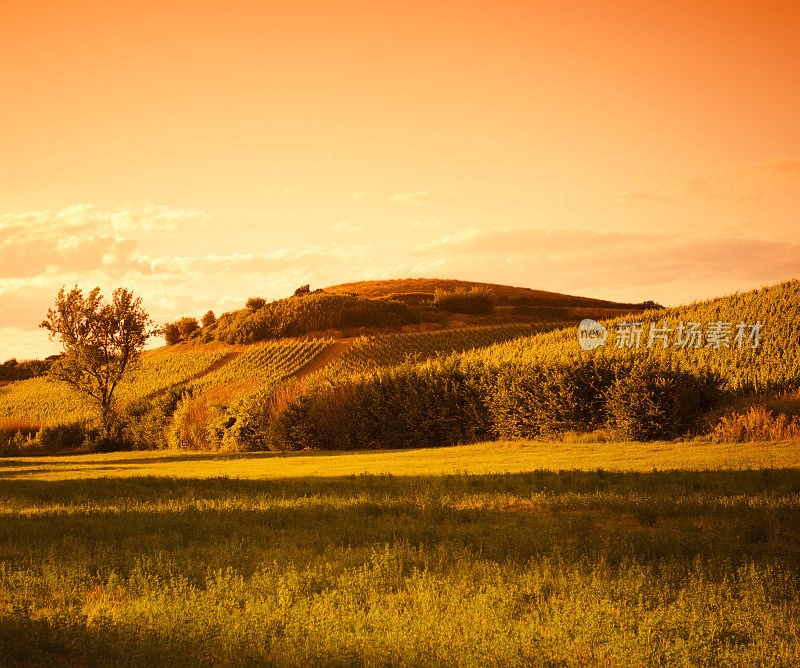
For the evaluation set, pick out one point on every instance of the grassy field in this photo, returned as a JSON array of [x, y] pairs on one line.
[[503, 553]]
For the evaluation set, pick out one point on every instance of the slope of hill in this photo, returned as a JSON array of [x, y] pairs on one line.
[[419, 289], [213, 395], [773, 364], [403, 305]]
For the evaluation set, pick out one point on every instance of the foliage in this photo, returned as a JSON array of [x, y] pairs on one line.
[[100, 343], [443, 403], [405, 406], [171, 333], [256, 303], [147, 420], [299, 316], [463, 300], [11, 370], [220, 407], [757, 424], [645, 402], [187, 326], [302, 290], [208, 319]]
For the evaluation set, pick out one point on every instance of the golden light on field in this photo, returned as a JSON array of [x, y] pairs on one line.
[[203, 152]]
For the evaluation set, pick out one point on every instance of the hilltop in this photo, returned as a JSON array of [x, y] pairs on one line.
[[402, 305], [416, 290]]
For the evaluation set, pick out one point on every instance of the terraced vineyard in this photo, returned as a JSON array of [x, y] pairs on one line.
[[262, 365], [370, 352], [773, 364], [42, 401]]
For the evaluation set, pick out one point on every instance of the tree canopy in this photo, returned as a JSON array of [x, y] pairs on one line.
[[100, 341]]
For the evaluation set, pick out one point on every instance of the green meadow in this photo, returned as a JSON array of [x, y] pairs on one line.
[[525, 553]]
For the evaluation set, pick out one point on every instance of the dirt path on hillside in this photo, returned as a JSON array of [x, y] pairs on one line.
[[330, 354]]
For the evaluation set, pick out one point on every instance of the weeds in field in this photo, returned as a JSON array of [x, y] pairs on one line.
[[757, 424], [559, 568]]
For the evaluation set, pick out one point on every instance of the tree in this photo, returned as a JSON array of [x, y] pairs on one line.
[[208, 319], [255, 303], [171, 333], [187, 327], [101, 342], [302, 290]]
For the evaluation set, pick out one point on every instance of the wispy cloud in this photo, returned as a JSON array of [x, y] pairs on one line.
[[83, 237], [417, 198], [742, 183], [599, 263], [347, 226]]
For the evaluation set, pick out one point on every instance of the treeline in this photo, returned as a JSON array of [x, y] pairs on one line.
[[443, 402], [11, 369]]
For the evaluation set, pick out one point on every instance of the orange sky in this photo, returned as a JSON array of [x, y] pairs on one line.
[[204, 152]]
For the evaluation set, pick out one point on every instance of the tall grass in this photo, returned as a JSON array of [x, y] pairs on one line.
[[757, 424], [535, 568]]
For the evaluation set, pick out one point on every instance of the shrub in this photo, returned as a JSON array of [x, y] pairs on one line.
[[416, 406], [17, 436], [187, 327], [461, 300], [11, 370], [648, 403], [146, 420], [537, 400], [302, 290], [256, 303], [171, 333], [60, 438], [757, 424], [444, 403], [208, 319]]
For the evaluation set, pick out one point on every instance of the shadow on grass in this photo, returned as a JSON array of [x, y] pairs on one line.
[[160, 456], [202, 524], [70, 641]]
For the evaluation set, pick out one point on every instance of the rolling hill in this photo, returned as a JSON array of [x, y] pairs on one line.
[[210, 394]]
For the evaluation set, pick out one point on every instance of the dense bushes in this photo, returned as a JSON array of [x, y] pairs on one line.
[[29, 439], [756, 424], [146, 421], [437, 403], [444, 403], [255, 303], [11, 370], [298, 316], [462, 300], [407, 406], [180, 330]]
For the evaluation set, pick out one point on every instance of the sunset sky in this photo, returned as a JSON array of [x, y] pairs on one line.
[[205, 152]]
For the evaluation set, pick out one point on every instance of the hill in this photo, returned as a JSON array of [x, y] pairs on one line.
[[402, 305], [420, 289], [773, 364], [423, 386], [511, 304]]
